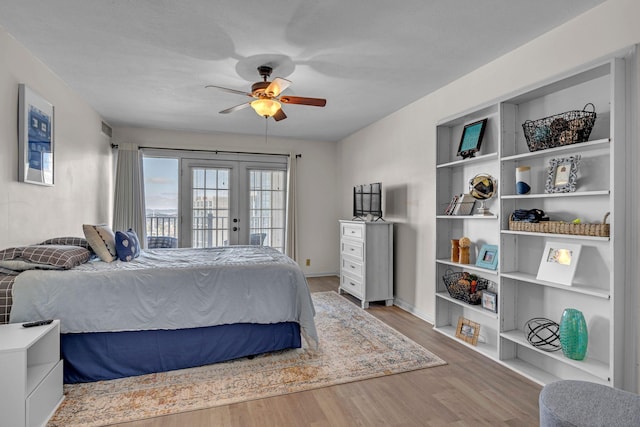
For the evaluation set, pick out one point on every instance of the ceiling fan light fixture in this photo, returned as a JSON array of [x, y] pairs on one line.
[[265, 107]]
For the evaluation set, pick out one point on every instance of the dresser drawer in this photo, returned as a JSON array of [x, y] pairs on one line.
[[351, 267], [351, 285], [351, 248], [355, 231]]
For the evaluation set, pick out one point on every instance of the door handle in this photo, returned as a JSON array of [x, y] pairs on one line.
[[235, 228], [235, 219]]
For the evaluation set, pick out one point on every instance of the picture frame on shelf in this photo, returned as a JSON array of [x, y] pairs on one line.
[[471, 138], [559, 262], [468, 331], [488, 257], [35, 138], [562, 175], [490, 301]]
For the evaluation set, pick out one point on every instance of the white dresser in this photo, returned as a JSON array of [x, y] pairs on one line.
[[366, 260]]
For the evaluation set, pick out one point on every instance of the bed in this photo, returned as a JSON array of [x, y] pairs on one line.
[[168, 309]]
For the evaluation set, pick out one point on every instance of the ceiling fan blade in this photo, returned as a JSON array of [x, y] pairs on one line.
[[315, 102], [277, 86], [226, 89], [279, 115], [236, 108]]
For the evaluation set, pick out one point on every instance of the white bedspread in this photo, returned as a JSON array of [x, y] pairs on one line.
[[170, 289]]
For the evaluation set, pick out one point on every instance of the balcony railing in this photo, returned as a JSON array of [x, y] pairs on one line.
[[162, 226]]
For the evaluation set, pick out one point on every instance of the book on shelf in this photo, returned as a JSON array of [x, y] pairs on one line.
[[452, 205], [464, 204]]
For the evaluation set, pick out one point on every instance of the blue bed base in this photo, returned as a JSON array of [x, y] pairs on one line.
[[109, 355]]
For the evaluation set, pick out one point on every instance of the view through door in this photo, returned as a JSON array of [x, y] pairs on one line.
[[220, 202]]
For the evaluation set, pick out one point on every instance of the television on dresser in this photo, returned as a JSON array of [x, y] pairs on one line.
[[367, 201]]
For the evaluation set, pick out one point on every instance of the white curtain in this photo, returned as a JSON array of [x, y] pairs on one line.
[[129, 209], [291, 242]]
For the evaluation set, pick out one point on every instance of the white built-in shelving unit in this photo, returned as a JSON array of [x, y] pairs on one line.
[[598, 287]]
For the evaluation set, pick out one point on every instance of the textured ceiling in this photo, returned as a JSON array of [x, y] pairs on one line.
[[145, 62]]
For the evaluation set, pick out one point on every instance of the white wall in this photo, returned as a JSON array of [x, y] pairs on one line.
[[82, 192], [317, 182], [400, 149]]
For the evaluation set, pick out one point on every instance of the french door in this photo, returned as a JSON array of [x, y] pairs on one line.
[[231, 202]]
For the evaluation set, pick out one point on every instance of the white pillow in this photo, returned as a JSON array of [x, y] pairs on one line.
[[102, 240]]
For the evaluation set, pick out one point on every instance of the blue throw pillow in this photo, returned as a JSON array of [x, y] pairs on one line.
[[127, 245]]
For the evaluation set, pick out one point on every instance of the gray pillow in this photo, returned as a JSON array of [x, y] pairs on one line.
[[55, 257]]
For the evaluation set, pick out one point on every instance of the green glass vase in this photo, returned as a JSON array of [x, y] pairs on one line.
[[573, 334]]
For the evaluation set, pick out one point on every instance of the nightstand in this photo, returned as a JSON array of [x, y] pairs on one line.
[[31, 372]]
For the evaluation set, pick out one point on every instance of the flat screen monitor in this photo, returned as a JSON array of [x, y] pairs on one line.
[[367, 201]]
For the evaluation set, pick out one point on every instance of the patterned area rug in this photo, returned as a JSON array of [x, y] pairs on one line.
[[354, 346]]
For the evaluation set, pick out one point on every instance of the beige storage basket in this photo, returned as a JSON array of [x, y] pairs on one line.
[[561, 227]]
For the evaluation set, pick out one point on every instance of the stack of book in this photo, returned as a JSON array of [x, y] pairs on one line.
[[460, 204]]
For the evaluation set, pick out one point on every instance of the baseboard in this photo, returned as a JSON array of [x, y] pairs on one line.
[[411, 309], [321, 274]]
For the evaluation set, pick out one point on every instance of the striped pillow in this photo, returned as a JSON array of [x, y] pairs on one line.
[[43, 257], [102, 240], [69, 241], [64, 257]]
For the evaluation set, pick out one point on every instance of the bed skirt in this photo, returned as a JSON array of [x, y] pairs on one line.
[[108, 355]]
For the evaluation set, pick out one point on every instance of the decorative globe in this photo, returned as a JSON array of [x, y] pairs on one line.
[[482, 187]]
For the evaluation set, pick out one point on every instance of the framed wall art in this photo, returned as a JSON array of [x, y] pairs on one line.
[[35, 138], [488, 257], [562, 175], [471, 138], [468, 331], [559, 262], [490, 301]]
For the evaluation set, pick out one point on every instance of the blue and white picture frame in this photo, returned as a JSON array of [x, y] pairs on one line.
[[35, 138], [488, 257]]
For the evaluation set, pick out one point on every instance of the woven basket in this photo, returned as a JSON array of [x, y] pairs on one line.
[[567, 128], [458, 287], [561, 227]]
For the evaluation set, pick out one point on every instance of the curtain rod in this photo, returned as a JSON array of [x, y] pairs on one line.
[[210, 151]]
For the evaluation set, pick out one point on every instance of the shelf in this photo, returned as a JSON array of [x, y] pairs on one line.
[[530, 278], [555, 195], [481, 348], [583, 146], [557, 236], [467, 217], [594, 367], [529, 371], [465, 162], [476, 308], [466, 266], [599, 290]]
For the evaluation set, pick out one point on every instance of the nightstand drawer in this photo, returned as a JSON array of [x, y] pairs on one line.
[[45, 398], [354, 231], [351, 285], [351, 267], [354, 249]]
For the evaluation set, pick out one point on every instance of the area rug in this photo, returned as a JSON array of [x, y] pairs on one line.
[[354, 346]]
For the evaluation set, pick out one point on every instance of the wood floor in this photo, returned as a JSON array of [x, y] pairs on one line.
[[470, 390]]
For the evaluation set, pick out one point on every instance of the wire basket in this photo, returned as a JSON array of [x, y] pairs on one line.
[[567, 128], [460, 286]]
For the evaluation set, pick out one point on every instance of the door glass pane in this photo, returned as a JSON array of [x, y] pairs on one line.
[[267, 208], [161, 195], [210, 207]]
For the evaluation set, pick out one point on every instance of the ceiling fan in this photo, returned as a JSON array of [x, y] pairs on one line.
[[268, 97]]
